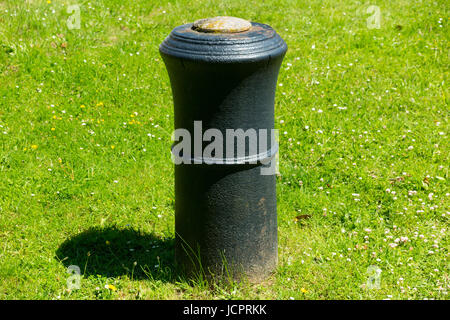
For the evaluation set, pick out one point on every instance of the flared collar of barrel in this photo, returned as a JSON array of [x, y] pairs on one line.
[[258, 42]]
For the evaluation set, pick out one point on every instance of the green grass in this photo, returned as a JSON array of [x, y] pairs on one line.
[[363, 119]]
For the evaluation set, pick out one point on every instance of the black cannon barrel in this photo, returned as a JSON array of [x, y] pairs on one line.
[[223, 73]]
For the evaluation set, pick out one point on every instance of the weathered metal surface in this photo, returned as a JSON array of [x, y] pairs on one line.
[[224, 212], [260, 42], [222, 25]]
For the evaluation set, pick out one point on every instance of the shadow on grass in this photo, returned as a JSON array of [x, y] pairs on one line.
[[112, 252]]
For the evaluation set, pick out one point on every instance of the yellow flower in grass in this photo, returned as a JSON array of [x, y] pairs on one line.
[[53, 129], [34, 146], [82, 106], [113, 146], [100, 104], [111, 287], [303, 290]]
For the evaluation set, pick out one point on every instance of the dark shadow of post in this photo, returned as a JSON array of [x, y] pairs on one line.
[[112, 252]]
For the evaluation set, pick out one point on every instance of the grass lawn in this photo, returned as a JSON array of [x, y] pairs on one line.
[[86, 177]]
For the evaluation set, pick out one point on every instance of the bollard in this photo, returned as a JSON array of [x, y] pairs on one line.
[[223, 73]]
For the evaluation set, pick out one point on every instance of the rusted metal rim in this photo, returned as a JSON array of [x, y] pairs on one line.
[[257, 43], [222, 24]]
